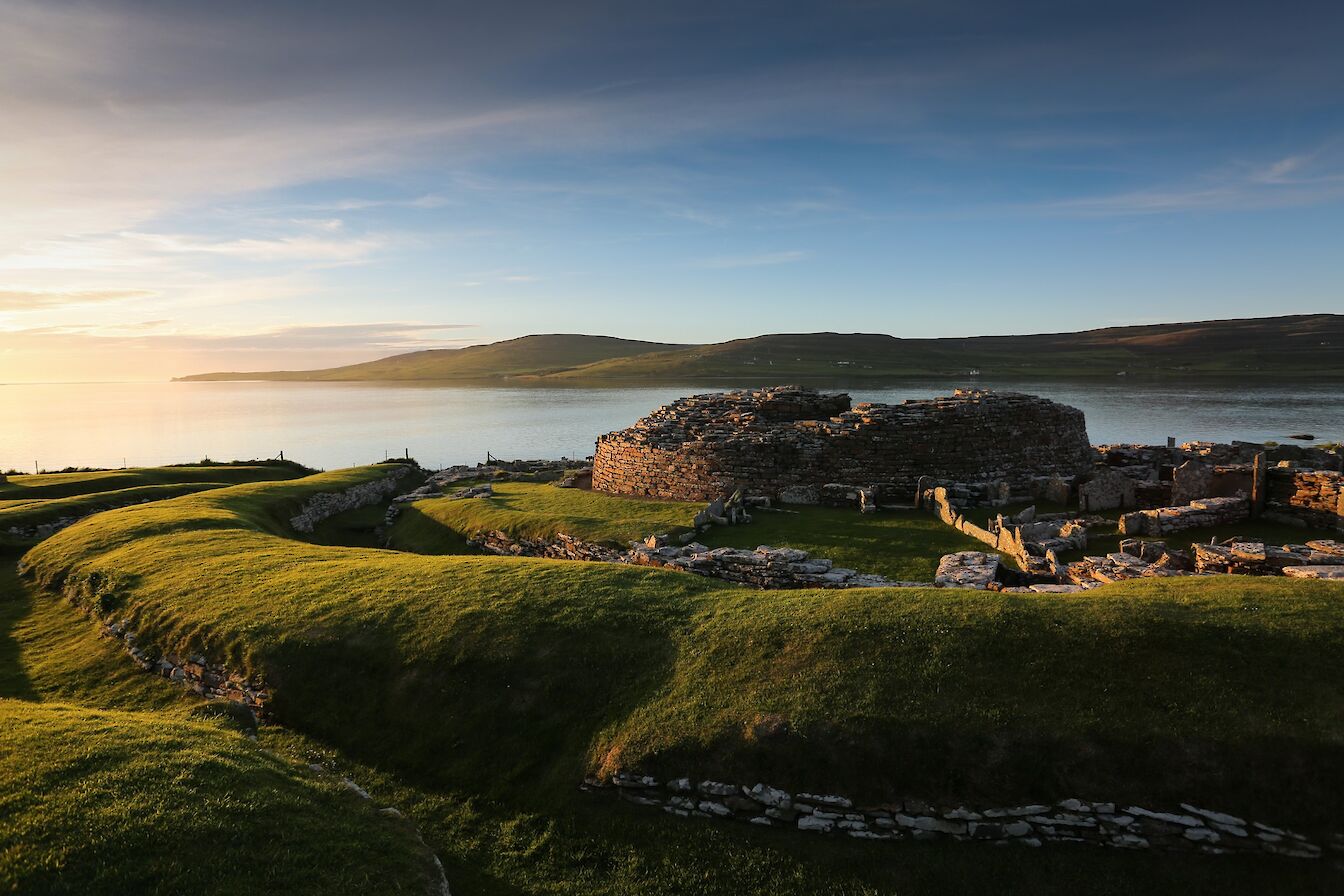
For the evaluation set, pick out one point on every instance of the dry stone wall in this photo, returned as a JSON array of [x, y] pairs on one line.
[[327, 504], [789, 439], [1319, 559], [1199, 514]]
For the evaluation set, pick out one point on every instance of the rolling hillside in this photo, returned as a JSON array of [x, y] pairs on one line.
[[530, 355], [1306, 346]]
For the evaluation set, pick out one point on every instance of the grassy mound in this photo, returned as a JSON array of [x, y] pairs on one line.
[[29, 501], [515, 677], [114, 802], [537, 510], [64, 485], [591, 846]]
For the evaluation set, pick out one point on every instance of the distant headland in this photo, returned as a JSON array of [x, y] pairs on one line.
[[1307, 346]]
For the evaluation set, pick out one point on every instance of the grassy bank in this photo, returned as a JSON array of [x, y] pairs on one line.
[[514, 677], [107, 802], [581, 846], [44, 486], [473, 692], [28, 501]]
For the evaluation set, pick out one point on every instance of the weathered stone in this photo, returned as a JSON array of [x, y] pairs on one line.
[[1106, 490], [967, 569], [717, 788], [789, 442]]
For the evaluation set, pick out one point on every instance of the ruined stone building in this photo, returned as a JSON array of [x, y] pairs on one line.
[[792, 441]]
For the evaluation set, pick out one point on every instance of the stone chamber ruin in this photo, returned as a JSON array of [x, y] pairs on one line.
[[790, 443], [982, 449]]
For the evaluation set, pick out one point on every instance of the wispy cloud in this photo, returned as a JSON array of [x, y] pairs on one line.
[[35, 299], [753, 261], [428, 200], [1291, 181], [290, 248]]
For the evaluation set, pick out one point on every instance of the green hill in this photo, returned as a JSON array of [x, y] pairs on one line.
[[530, 355], [1303, 345], [1306, 346]]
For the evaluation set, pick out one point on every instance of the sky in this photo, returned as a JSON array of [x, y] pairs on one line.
[[189, 186]]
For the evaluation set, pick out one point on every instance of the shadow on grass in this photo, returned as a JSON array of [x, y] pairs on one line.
[[15, 605]]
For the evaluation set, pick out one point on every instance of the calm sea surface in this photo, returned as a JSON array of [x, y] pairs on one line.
[[339, 424]]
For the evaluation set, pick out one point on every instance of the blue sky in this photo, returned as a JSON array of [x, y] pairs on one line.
[[197, 186]]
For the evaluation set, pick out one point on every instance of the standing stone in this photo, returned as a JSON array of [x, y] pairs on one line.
[[1259, 479]]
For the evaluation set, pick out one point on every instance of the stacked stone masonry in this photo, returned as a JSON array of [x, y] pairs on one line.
[[327, 504], [1188, 828], [1318, 559], [1312, 497], [1199, 514], [777, 440]]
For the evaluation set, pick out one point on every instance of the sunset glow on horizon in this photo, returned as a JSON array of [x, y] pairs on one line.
[[193, 187]]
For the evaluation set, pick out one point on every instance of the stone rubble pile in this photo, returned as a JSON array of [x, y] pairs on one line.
[[1095, 571], [1107, 824], [789, 442], [765, 567], [1323, 559], [561, 547], [474, 491]]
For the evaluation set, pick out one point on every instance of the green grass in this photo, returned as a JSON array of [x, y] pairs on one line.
[[535, 510], [107, 802], [512, 675], [902, 545], [31, 500], [26, 514], [419, 532], [476, 691], [45, 486], [591, 845]]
